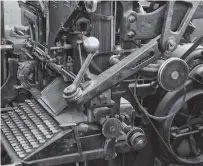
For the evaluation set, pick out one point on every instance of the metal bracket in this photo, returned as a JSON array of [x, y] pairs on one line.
[[78, 142], [170, 38], [149, 25], [110, 149]]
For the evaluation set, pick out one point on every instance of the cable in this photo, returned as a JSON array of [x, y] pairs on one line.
[[152, 116]]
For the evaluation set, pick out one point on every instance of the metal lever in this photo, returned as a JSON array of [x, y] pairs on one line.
[[120, 71], [91, 45], [83, 69], [169, 38]]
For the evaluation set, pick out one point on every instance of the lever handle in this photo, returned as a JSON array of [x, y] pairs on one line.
[[91, 45]]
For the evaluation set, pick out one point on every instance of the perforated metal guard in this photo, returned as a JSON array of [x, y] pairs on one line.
[[28, 127]]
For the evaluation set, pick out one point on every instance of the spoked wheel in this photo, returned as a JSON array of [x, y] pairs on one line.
[[182, 133]]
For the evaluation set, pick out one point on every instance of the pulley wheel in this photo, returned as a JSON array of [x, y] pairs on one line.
[[136, 138], [173, 74], [178, 132], [111, 128]]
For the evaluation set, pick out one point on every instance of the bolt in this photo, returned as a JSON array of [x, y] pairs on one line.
[[171, 44], [175, 75], [112, 129], [174, 130], [131, 34], [64, 38], [140, 142], [132, 18], [102, 96], [70, 90]]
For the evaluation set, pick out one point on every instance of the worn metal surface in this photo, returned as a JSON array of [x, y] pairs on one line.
[[104, 116], [58, 20], [170, 37], [117, 73], [147, 25], [172, 101], [52, 96]]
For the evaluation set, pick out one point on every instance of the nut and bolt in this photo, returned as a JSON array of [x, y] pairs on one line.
[[112, 129], [103, 96], [132, 18], [131, 34], [171, 44], [175, 75]]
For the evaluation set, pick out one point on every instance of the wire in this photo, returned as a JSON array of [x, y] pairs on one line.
[[152, 116]]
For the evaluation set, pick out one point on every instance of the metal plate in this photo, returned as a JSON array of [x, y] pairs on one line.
[[70, 116], [52, 95]]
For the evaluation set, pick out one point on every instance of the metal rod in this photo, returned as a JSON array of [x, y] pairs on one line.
[[193, 47], [56, 68], [2, 21], [69, 158], [83, 69], [6, 47], [187, 132], [65, 47], [120, 71], [79, 52], [61, 70]]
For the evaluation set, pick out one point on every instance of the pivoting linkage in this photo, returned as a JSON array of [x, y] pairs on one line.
[[91, 46]]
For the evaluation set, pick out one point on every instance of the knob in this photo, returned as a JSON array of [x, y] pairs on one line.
[[91, 44]]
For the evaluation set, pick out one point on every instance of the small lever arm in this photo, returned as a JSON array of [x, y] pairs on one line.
[[91, 45]]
